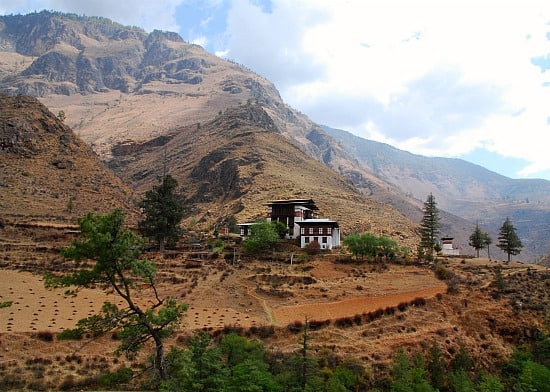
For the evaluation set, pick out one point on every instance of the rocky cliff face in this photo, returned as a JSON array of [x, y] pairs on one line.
[[52, 55], [86, 55]]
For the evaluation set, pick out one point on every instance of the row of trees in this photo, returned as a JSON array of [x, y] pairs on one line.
[[508, 240], [238, 364], [415, 372]]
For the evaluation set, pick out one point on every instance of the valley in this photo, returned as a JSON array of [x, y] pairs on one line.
[[93, 115]]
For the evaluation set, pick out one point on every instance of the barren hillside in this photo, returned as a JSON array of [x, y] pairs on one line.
[[48, 174], [238, 162], [361, 312]]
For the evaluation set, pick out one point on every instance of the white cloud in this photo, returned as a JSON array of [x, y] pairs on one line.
[[436, 77], [202, 41], [272, 43]]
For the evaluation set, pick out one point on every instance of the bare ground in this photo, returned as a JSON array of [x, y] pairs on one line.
[[356, 308]]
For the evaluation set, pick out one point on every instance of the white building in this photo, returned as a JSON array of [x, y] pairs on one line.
[[323, 231], [447, 248], [299, 217]]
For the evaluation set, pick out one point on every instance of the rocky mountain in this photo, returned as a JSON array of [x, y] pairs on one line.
[[118, 83], [236, 172], [220, 129], [145, 101]]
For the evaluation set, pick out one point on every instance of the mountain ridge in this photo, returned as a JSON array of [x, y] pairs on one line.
[[122, 89], [460, 187]]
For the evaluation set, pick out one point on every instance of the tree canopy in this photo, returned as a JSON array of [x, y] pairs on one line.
[[369, 245], [108, 255], [263, 236], [163, 213], [479, 240]]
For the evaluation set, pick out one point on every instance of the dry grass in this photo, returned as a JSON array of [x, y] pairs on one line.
[[353, 309]]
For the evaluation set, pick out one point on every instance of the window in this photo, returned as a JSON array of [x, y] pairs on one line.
[[302, 230], [311, 230], [329, 230], [320, 230], [324, 240], [306, 240]]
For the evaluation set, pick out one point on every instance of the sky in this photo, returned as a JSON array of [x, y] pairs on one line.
[[465, 79]]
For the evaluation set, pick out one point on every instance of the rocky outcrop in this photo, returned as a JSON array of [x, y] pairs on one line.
[[90, 55]]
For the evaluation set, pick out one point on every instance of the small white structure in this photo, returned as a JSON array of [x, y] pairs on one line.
[[323, 231], [245, 229], [447, 248]]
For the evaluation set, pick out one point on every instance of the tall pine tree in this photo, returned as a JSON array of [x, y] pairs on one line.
[[163, 213], [508, 240], [429, 227]]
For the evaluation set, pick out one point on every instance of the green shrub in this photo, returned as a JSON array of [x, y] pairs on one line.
[[70, 334], [113, 379]]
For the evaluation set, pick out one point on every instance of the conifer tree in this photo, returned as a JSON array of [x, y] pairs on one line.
[[429, 226], [478, 240], [436, 367], [508, 240], [163, 213]]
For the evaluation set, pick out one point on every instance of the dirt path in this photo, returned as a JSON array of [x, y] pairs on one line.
[[348, 307], [268, 311]]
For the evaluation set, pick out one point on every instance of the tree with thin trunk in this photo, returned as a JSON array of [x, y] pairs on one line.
[[109, 256], [163, 213], [429, 226], [508, 240], [478, 239]]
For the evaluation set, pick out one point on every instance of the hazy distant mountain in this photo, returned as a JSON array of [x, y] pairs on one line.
[[461, 188], [149, 101]]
